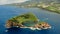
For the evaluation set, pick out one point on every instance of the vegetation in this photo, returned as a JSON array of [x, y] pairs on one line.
[[53, 9], [24, 17]]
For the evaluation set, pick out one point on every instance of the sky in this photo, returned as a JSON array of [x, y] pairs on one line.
[[2, 2]]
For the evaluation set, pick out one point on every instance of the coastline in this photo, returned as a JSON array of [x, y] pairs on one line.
[[32, 28], [50, 10]]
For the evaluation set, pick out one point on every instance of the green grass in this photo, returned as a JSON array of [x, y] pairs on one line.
[[53, 9], [24, 17]]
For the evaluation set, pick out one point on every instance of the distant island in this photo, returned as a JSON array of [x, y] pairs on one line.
[[52, 5], [27, 20]]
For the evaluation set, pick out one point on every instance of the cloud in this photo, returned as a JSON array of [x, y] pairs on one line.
[[11, 1]]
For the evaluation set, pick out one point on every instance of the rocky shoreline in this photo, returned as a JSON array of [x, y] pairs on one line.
[[40, 26]]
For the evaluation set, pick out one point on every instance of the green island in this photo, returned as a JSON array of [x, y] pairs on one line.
[[27, 20]]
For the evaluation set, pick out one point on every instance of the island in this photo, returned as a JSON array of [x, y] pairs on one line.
[[52, 6], [27, 20]]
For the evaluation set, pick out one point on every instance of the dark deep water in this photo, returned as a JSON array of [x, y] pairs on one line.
[[7, 12]]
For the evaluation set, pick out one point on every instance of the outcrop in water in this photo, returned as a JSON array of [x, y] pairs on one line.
[[28, 20]]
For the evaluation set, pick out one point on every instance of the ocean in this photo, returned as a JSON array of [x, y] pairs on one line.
[[7, 12]]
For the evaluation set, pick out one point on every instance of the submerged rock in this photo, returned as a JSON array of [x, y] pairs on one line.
[[28, 20]]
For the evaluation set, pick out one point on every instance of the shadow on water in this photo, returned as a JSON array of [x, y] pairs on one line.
[[15, 30]]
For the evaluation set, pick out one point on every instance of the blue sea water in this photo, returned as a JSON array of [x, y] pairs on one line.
[[7, 12]]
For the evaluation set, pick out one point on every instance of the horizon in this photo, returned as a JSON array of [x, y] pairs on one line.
[[3, 2]]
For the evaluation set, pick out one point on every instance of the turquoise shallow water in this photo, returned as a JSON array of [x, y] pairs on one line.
[[7, 12]]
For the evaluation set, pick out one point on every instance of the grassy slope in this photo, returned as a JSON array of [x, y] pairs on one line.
[[24, 17]]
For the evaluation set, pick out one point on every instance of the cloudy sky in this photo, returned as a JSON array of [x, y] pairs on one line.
[[11, 1]]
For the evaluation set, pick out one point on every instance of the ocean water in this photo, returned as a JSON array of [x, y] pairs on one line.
[[7, 12]]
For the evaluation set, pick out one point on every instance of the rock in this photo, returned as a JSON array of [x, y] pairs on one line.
[[9, 24]]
